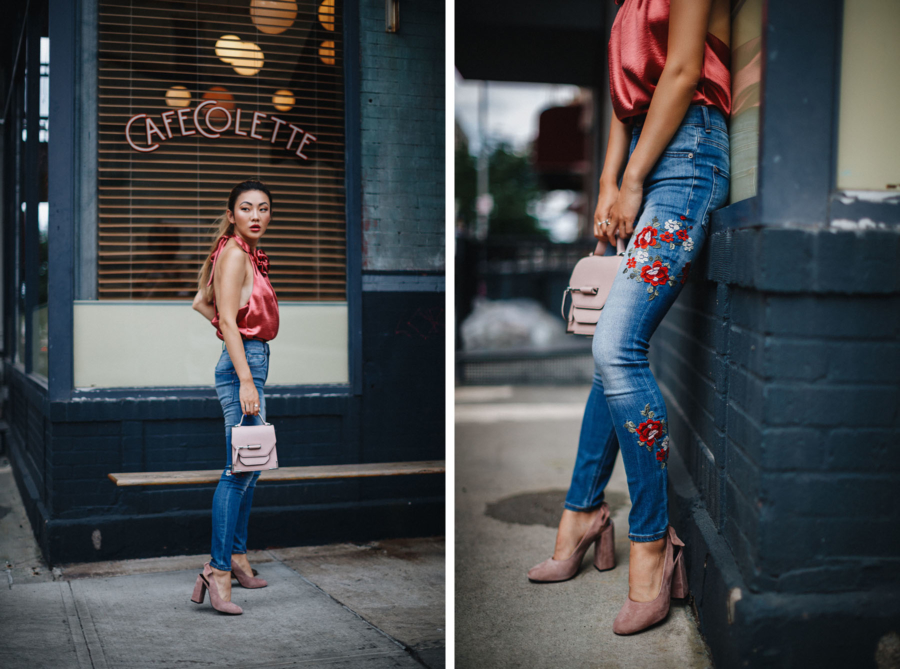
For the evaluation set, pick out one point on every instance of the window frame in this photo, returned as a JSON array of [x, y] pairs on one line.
[[799, 125]]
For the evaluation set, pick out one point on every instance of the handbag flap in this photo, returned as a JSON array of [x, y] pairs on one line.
[[259, 438], [594, 272], [586, 315]]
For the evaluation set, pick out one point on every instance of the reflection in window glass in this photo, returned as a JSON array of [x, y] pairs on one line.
[[746, 43], [39, 314], [195, 97], [868, 143]]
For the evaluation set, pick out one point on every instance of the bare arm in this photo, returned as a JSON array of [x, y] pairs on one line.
[[688, 21], [206, 308], [231, 269], [616, 157]]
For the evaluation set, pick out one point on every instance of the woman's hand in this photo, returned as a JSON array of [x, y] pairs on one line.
[[625, 209], [607, 198], [249, 398]]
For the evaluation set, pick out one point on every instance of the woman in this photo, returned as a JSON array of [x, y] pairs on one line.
[[671, 94], [235, 294]]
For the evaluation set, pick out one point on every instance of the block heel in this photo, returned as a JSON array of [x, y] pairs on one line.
[[206, 581], [679, 578], [554, 571], [199, 591], [638, 616], [605, 549]]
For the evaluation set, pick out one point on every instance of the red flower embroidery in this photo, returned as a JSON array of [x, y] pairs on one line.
[[683, 217], [655, 274], [662, 454], [684, 272], [262, 261], [649, 430], [645, 238], [631, 262], [666, 237], [682, 234]]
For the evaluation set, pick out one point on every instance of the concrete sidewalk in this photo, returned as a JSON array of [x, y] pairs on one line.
[[515, 450], [370, 606]]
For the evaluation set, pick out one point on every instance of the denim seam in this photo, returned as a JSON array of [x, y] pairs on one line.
[[712, 193], [575, 507], [693, 172], [597, 473], [714, 143], [644, 538]]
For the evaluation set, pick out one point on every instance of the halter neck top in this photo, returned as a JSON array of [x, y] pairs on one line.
[[638, 41], [258, 319]]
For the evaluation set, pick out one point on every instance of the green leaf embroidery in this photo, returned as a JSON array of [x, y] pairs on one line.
[[631, 427]]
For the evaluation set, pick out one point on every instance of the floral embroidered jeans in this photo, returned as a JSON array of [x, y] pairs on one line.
[[233, 498], [625, 409]]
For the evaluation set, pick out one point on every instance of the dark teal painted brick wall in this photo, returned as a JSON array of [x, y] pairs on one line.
[[402, 115]]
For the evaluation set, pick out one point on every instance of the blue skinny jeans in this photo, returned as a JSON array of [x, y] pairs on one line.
[[234, 494], [625, 409]]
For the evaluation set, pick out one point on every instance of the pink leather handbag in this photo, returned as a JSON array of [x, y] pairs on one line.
[[253, 447], [589, 287]]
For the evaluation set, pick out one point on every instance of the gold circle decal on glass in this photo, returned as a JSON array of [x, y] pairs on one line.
[[326, 14], [178, 96], [250, 61], [326, 52], [284, 100], [228, 48], [225, 100], [273, 17]]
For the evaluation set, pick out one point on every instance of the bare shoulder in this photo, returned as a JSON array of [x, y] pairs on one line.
[[232, 259]]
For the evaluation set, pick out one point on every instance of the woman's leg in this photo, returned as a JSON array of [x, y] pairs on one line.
[[688, 182], [229, 515], [239, 546], [258, 359], [597, 449]]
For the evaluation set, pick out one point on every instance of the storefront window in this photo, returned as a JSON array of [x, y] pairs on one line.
[[28, 236], [39, 330], [746, 44], [195, 97], [868, 144]]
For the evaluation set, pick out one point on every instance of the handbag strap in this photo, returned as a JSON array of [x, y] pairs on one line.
[[243, 416], [601, 247]]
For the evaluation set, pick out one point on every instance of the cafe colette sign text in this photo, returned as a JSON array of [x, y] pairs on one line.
[[174, 122]]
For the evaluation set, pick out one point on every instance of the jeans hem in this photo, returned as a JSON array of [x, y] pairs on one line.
[[646, 538], [215, 566], [582, 509]]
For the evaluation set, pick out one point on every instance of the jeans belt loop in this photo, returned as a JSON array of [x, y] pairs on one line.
[[706, 123]]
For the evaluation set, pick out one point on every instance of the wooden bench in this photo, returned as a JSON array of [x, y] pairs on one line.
[[354, 471]]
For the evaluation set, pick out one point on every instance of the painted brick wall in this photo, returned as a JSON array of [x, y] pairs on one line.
[[785, 407], [402, 115]]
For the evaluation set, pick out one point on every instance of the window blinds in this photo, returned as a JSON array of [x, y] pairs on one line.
[[266, 104]]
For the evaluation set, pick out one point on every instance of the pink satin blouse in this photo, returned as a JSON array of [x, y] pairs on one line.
[[637, 54], [258, 319]]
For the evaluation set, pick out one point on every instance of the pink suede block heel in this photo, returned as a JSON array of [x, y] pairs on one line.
[[199, 591], [554, 571], [605, 549], [638, 616], [247, 580], [679, 578], [206, 581]]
